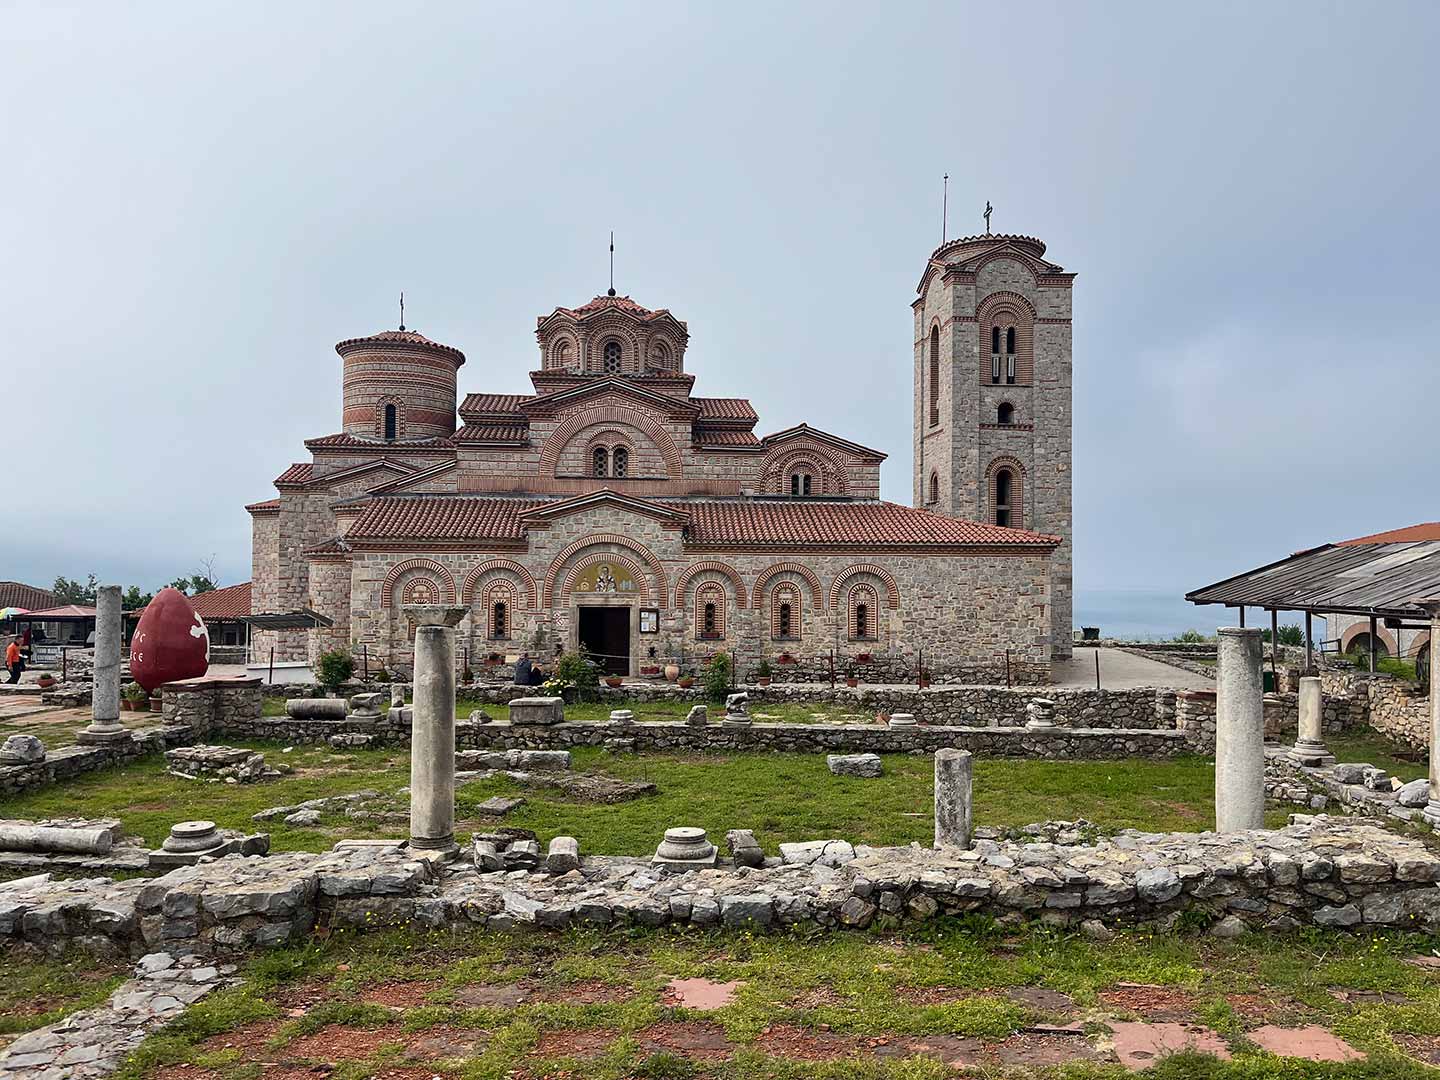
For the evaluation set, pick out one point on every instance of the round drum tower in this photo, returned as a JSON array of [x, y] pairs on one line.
[[399, 385]]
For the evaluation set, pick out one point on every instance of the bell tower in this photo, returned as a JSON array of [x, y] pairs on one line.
[[992, 437]]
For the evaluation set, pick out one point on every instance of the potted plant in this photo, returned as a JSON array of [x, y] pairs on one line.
[[850, 678], [46, 681], [672, 669], [762, 673], [924, 678], [613, 681], [137, 699], [685, 682]]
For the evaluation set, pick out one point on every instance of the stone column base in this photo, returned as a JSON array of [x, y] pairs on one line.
[[445, 845], [1311, 754], [1432, 813], [103, 736]]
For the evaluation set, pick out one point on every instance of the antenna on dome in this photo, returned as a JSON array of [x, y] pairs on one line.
[[944, 208], [402, 309], [612, 262]]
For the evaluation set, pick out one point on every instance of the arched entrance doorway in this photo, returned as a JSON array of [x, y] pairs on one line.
[[604, 595]]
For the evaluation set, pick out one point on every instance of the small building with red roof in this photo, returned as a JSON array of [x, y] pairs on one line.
[[614, 509]]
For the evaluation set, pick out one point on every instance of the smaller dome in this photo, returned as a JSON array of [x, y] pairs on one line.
[[394, 338]]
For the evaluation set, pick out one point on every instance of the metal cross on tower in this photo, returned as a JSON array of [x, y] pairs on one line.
[[988, 208]]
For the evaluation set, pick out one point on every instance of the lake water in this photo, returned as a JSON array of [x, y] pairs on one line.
[[1143, 615]]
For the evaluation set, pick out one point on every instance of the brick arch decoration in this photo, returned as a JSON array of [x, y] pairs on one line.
[[742, 594], [775, 469], [1005, 308], [598, 331], [1355, 631], [447, 582], [1017, 489], [584, 563], [892, 589], [399, 403], [467, 592], [662, 587], [788, 568], [555, 443]]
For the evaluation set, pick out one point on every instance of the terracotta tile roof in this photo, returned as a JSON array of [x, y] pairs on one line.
[[228, 603], [611, 303], [759, 523], [401, 337], [724, 437], [300, 473], [29, 597], [441, 518], [493, 404], [471, 433], [345, 441], [267, 507], [336, 545], [803, 523], [1410, 534], [726, 408]]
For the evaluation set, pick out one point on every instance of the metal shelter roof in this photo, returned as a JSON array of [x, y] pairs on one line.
[[1355, 578], [303, 619]]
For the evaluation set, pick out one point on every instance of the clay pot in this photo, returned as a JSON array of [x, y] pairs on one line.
[[672, 672], [763, 682], [613, 681], [852, 683], [45, 682], [687, 682]]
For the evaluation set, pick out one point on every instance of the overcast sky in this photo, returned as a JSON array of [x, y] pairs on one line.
[[198, 201]]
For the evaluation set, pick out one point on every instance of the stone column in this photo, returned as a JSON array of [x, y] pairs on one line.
[[1239, 732], [952, 798], [105, 696], [1432, 809], [1309, 746], [432, 741]]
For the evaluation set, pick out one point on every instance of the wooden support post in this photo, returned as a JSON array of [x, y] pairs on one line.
[[1275, 645], [1309, 646], [271, 678], [1242, 616], [1097, 669]]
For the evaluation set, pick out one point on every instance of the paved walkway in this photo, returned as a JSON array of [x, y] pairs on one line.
[[1124, 671]]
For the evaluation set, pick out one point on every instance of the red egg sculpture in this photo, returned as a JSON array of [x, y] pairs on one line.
[[170, 643]]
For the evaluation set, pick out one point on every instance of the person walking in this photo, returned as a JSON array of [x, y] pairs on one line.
[[14, 662]]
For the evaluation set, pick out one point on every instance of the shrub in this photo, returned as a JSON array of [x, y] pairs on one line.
[[579, 671], [763, 671], [334, 669], [1191, 637], [135, 692], [717, 677]]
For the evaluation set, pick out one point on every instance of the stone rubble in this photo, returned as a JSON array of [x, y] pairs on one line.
[[864, 766], [1357, 786], [22, 750], [93, 1042], [223, 763]]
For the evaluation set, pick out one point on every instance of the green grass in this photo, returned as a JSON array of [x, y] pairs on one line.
[[38, 991], [783, 797], [1376, 749], [947, 978]]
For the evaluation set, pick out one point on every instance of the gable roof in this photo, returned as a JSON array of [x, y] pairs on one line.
[[803, 430], [614, 384], [345, 441], [604, 496], [30, 597], [228, 603]]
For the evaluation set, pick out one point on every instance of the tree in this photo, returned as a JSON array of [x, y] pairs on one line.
[[201, 581], [74, 592], [334, 668], [133, 599]]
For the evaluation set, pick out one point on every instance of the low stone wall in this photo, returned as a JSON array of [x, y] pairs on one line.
[[68, 762], [212, 704], [1318, 871], [1394, 707]]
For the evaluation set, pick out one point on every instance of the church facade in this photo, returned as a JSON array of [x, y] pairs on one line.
[[614, 509]]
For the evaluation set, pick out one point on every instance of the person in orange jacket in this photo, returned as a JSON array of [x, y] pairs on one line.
[[13, 660]]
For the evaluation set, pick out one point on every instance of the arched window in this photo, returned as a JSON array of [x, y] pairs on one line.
[[500, 620], [934, 375], [800, 483], [1009, 341], [862, 605], [1010, 356], [1004, 485], [620, 462], [563, 353], [995, 359], [785, 612], [600, 462], [612, 355], [660, 355], [862, 621], [995, 339], [1005, 414], [420, 591], [391, 421], [934, 487], [710, 611]]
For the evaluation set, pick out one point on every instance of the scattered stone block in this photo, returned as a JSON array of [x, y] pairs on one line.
[[499, 805], [480, 716], [22, 750], [224, 763], [902, 720], [303, 819], [864, 766], [488, 856], [1414, 794], [685, 848], [365, 705], [353, 740], [563, 855], [1350, 772], [698, 716], [316, 708], [537, 711], [744, 848], [522, 855], [622, 717]]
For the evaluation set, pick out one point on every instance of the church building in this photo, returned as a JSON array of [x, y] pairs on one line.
[[614, 509]]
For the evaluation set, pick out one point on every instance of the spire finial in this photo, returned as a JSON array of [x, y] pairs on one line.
[[988, 208], [612, 262], [402, 309], [944, 208]]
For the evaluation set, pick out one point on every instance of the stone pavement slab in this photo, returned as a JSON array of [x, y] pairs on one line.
[[1313, 1043], [1141, 1045], [1123, 671]]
